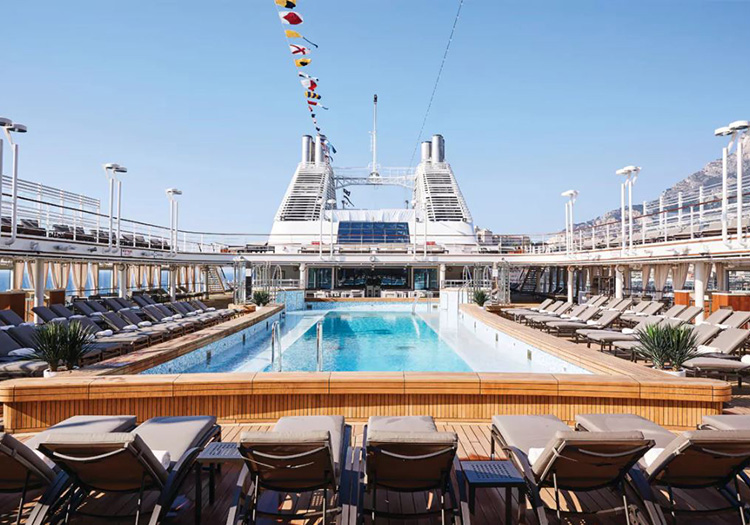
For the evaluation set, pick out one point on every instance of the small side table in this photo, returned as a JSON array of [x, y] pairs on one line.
[[495, 474], [215, 453]]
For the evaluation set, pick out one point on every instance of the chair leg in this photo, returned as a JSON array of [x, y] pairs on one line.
[[557, 496], [442, 506], [325, 504], [140, 499], [23, 498]]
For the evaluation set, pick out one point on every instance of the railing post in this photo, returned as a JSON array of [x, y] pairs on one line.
[[692, 231], [679, 209], [700, 207]]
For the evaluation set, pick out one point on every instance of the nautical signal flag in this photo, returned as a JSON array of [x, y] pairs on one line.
[[290, 33], [290, 18], [302, 62], [310, 94], [288, 4], [298, 50], [308, 83], [302, 74]]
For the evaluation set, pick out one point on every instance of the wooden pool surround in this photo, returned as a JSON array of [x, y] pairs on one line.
[[616, 386]]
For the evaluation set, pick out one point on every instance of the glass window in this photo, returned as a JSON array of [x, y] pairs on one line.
[[355, 232], [426, 279], [318, 278]]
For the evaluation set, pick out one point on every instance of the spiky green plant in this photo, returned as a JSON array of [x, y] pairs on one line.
[[58, 343], [480, 297], [666, 346], [261, 297]]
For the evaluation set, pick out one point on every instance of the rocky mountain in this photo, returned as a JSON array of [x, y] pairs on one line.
[[708, 176]]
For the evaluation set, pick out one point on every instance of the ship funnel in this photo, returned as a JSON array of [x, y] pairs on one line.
[[318, 151], [438, 149], [426, 148], [306, 148]]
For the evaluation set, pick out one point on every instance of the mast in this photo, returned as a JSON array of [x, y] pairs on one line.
[[374, 172]]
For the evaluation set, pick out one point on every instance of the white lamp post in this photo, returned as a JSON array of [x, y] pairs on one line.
[[734, 131], [11, 127], [111, 170], [174, 216], [631, 175], [571, 195], [322, 218]]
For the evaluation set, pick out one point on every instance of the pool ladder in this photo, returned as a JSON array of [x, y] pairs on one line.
[[275, 343]]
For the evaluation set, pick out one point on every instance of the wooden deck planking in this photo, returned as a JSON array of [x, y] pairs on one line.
[[474, 443]]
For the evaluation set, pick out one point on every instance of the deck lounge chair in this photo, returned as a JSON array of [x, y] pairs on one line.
[[11, 318], [45, 313], [157, 455], [558, 310], [25, 336], [703, 334], [574, 312], [719, 356], [84, 308], [597, 300], [407, 454], [698, 459], [549, 454], [226, 312], [569, 328], [157, 315], [61, 310], [120, 326], [612, 301], [717, 317], [24, 470], [508, 312], [738, 319], [551, 308], [607, 337], [687, 315], [650, 308], [134, 317], [16, 360], [301, 454]]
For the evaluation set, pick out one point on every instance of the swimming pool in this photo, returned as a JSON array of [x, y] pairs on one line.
[[393, 339]]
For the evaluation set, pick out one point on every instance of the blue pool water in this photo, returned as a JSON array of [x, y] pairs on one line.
[[378, 341]]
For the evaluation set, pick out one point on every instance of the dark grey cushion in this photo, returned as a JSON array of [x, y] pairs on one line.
[[86, 424], [527, 432], [334, 425], [175, 434], [727, 422]]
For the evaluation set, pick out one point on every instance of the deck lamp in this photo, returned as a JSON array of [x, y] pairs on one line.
[[738, 128], [111, 170], [10, 127], [572, 195], [174, 215], [631, 175]]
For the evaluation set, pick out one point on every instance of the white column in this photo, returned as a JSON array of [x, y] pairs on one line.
[[571, 276], [206, 273], [173, 283], [739, 190], [441, 276], [303, 276], [567, 226], [701, 278], [630, 209], [623, 238], [724, 196], [619, 282], [122, 280], [40, 281]]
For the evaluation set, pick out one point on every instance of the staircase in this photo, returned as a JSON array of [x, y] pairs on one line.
[[216, 281], [529, 279]]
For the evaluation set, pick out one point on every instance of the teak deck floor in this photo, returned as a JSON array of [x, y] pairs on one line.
[[474, 444]]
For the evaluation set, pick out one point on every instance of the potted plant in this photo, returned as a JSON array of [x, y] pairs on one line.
[[480, 297], [667, 347], [261, 298], [61, 345]]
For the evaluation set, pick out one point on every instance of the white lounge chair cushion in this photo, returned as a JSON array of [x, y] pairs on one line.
[[534, 454], [130, 327], [57, 319], [705, 349], [144, 324], [210, 309], [628, 331], [22, 352], [104, 333]]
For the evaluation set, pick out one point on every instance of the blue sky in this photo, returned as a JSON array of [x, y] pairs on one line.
[[536, 98]]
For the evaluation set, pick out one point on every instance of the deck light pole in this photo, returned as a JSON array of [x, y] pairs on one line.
[[10, 127], [571, 195], [734, 131], [322, 218], [174, 215], [111, 170], [631, 175]]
